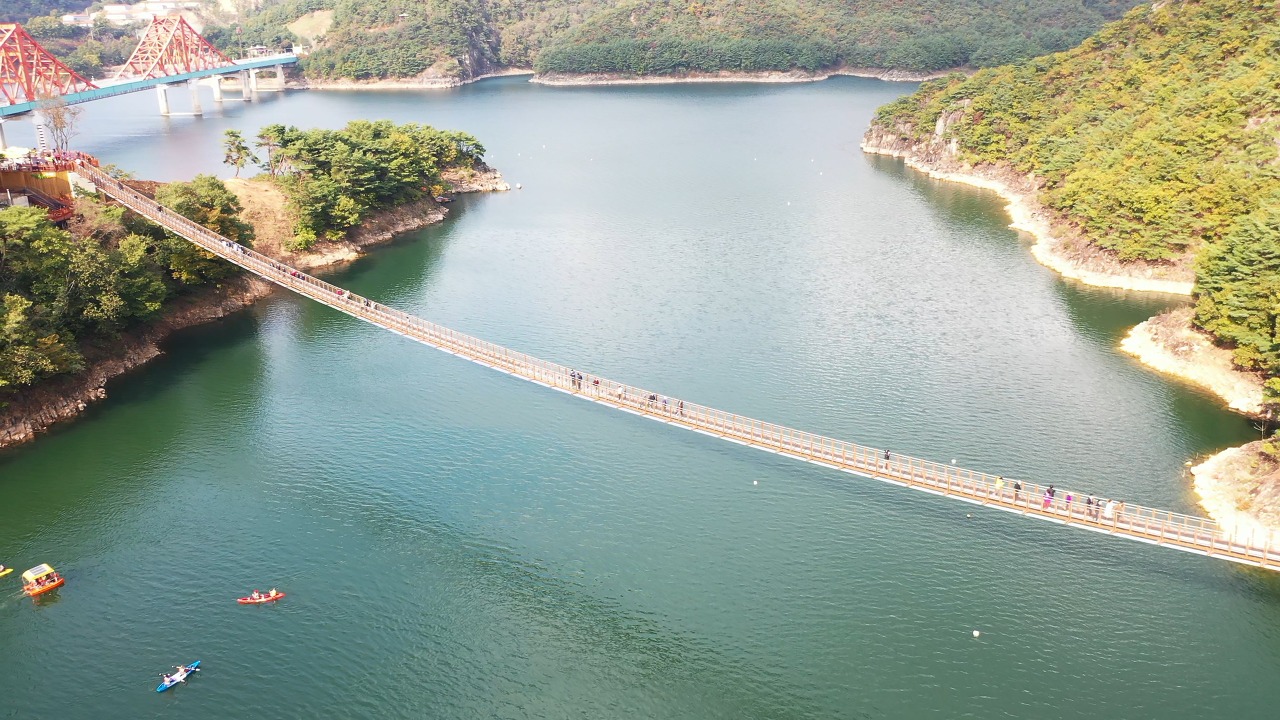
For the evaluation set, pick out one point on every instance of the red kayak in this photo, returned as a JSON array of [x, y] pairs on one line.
[[264, 599]]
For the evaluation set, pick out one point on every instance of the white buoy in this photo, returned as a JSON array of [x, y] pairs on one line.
[[976, 633], [755, 482], [788, 202], [968, 515], [519, 186]]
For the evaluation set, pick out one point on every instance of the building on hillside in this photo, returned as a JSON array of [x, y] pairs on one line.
[[120, 14], [46, 180]]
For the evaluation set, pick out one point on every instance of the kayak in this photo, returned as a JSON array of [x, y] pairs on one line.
[[179, 676], [5, 571], [259, 601]]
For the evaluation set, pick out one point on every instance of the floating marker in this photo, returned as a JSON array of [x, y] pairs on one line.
[[519, 186], [976, 633], [755, 482]]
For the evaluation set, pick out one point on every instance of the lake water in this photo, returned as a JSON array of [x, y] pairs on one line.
[[459, 544]]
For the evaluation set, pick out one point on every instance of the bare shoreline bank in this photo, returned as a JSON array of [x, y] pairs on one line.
[[601, 79], [1062, 255], [770, 76], [422, 83], [1170, 344], [36, 409]]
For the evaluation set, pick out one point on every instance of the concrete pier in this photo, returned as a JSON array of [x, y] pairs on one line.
[[193, 87]]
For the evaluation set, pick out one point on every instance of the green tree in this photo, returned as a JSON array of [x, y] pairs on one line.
[[29, 349], [207, 201], [268, 141], [236, 152], [334, 178]]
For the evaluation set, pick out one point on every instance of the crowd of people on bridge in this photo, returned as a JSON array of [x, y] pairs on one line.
[[50, 161]]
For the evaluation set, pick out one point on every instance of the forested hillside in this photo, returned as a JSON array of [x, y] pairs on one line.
[[368, 39], [665, 36], [21, 10], [1158, 139], [60, 290]]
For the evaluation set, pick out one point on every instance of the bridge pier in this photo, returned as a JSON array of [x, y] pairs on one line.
[[248, 85], [162, 94], [4, 144], [280, 77], [193, 87], [217, 88]]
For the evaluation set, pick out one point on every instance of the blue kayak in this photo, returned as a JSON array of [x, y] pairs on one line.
[[177, 677]]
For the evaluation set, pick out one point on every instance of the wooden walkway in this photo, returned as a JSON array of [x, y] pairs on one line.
[[1164, 528]]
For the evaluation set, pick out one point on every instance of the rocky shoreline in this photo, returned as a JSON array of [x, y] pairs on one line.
[[1170, 344], [421, 82], [428, 82], [36, 409], [1240, 488], [728, 76]]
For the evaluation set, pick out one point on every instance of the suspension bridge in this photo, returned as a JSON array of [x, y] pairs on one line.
[[170, 52], [1163, 528]]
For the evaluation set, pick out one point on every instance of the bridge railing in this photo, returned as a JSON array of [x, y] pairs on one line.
[[1186, 532]]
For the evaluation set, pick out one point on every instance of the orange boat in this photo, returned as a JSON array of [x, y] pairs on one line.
[[41, 579], [262, 598]]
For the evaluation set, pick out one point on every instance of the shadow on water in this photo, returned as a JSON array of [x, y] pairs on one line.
[[180, 352], [1091, 553], [400, 272], [396, 274], [958, 205], [655, 656]]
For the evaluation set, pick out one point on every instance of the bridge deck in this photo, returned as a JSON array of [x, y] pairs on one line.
[[106, 89], [1176, 531]]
